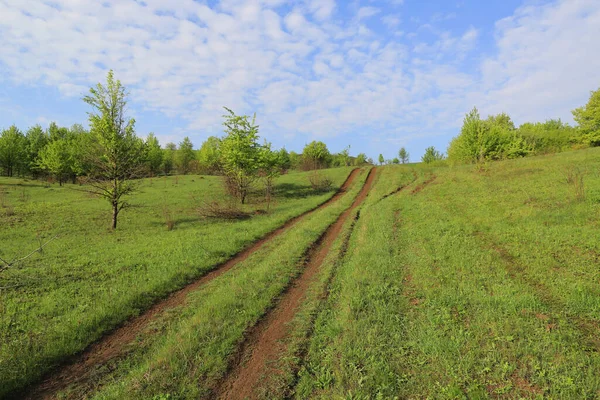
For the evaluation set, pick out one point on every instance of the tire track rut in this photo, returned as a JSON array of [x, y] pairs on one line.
[[263, 344]]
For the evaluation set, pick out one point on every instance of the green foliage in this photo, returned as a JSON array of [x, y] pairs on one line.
[[13, 151], [285, 162], [395, 160], [431, 155], [56, 159], [168, 162], [403, 155], [209, 155], [316, 155], [116, 153], [381, 159], [360, 160], [588, 118], [36, 141], [154, 154], [185, 155], [240, 153]]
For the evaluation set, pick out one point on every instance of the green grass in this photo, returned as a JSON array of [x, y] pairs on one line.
[[471, 282], [482, 285], [90, 279], [186, 352]]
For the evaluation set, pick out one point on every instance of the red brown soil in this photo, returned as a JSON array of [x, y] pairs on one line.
[[264, 343], [113, 345]]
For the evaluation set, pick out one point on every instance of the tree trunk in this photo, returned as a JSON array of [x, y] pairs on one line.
[[114, 215]]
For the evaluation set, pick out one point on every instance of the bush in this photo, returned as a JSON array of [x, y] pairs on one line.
[[319, 182]]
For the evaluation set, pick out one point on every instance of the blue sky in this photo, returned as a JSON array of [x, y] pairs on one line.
[[372, 74]]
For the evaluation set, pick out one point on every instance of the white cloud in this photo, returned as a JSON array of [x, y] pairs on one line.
[[304, 71], [547, 61]]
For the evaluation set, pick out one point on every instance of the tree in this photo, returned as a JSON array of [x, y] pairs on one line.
[[316, 155], [240, 153], [295, 160], [13, 151], [169, 158], [56, 159], [185, 155], [431, 155], [154, 154], [284, 160], [117, 153], [361, 159], [209, 155], [270, 168], [345, 156], [588, 118], [381, 159], [395, 160], [403, 155], [36, 141]]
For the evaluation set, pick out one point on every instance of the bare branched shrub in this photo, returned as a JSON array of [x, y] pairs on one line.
[[227, 210], [319, 182]]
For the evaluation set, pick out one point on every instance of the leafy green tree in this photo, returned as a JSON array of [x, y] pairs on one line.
[[361, 159], [588, 118], [316, 155], [209, 155], [240, 153], [36, 141], [56, 159], [154, 154], [345, 156], [169, 158], [431, 155], [185, 155], [403, 155], [295, 160], [13, 151], [57, 133], [381, 159], [396, 160], [270, 168], [284, 159], [117, 153]]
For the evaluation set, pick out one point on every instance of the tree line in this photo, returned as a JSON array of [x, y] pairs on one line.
[[497, 137]]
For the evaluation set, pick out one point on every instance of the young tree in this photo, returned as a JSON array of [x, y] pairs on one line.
[[284, 160], [588, 118], [240, 153], [185, 155], [295, 160], [270, 168], [209, 155], [361, 159], [13, 151], [431, 155], [316, 155], [117, 153], [56, 159], [395, 160], [381, 159], [403, 155], [154, 154], [169, 157], [36, 141], [345, 156]]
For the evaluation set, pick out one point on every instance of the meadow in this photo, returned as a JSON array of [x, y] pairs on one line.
[[91, 279], [446, 282]]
